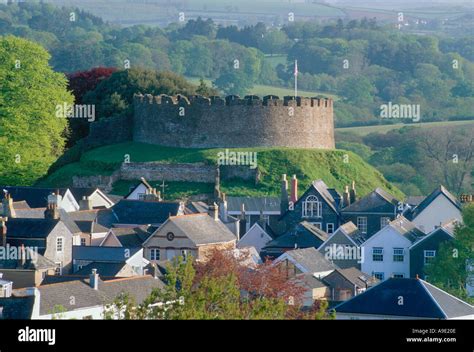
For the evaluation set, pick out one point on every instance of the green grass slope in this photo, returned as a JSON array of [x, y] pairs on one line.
[[336, 167]]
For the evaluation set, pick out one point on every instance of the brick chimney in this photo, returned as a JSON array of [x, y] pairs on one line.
[[294, 189], [346, 198], [223, 208], [353, 193], [7, 203], [3, 231], [243, 220], [85, 203], [284, 194], [52, 209], [94, 279], [213, 211]]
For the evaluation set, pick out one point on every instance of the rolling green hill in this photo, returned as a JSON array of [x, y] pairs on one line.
[[308, 165]]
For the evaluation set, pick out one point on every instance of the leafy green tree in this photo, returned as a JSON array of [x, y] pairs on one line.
[[452, 267], [114, 95], [32, 136]]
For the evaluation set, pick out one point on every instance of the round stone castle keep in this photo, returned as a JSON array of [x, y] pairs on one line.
[[233, 122]]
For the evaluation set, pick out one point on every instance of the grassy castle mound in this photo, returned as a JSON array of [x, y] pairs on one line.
[[336, 167]]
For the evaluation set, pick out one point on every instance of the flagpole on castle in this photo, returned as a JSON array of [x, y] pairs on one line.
[[296, 78]]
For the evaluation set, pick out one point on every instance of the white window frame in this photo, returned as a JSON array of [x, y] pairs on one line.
[[184, 254], [59, 243], [425, 252], [83, 240], [381, 274], [312, 207], [377, 251], [154, 254], [59, 265], [327, 227], [362, 227], [396, 252], [384, 221]]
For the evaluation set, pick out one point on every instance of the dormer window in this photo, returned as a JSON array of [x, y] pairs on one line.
[[312, 207]]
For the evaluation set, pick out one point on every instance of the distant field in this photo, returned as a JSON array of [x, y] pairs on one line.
[[164, 11], [362, 131], [262, 90]]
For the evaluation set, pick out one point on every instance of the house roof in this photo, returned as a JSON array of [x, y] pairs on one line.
[[326, 193], [447, 228], [36, 197], [103, 254], [83, 215], [133, 237], [407, 229], [59, 294], [427, 201], [202, 229], [351, 230], [142, 182], [357, 277], [254, 204], [420, 299], [34, 261], [87, 226], [140, 212], [303, 235], [310, 259], [377, 201], [103, 269], [30, 228], [310, 281]]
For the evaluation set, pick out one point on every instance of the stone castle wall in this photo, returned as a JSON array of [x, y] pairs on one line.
[[232, 122]]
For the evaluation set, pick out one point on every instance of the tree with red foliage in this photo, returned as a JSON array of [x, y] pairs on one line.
[[82, 82]]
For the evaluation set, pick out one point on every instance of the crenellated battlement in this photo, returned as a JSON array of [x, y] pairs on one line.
[[233, 122], [233, 100]]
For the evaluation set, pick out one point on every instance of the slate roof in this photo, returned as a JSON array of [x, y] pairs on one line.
[[59, 294], [353, 232], [420, 299], [377, 201], [254, 204], [30, 228], [326, 193], [83, 215], [133, 237], [310, 281], [427, 201], [35, 261], [103, 254], [311, 259], [357, 277], [36, 197], [303, 235], [103, 269], [90, 226], [139, 212], [407, 229], [202, 229]]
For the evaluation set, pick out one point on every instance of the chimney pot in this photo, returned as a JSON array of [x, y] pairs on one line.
[[294, 190], [94, 279]]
